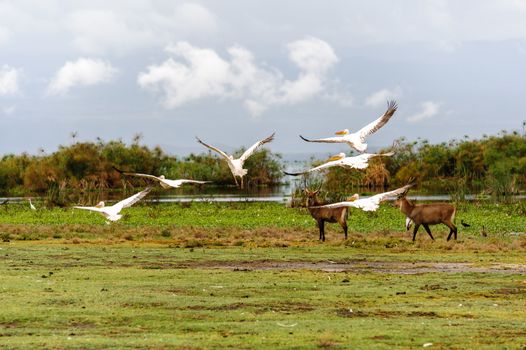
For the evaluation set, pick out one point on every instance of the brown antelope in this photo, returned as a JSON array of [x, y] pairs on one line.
[[322, 215], [428, 214]]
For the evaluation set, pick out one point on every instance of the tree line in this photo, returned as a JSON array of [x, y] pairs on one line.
[[496, 164]]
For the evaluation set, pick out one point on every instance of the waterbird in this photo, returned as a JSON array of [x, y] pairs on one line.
[[370, 203], [112, 212], [357, 162], [236, 164], [163, 181], [31, 206], [357, 139]]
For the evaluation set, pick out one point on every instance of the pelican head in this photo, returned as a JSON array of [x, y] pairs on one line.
[[337, 156], [162, 177], [100, 205], [342, 132], [353, 197]]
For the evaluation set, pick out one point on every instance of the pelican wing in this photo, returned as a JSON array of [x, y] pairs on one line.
[[128, 202], [98, 210], [319, 167], [383, 196], [335, 139], [378, 123], [366, 204], [213, 149], [179, 182], [252, 149], [148, 176], [186, 181], [338, 205]]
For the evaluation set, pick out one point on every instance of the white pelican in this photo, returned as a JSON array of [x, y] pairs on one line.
[[112, 212], [164, 182], [31, 206], [357, 139], [236, 165], [370, 203], [356, 162]]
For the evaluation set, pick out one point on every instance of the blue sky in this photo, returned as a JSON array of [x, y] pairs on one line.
[[232, 72]]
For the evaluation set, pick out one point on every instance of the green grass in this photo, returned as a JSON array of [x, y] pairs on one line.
[[496, 218], [254, 276], [156, 297]]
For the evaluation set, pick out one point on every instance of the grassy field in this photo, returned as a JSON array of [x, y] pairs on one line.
[[249, 276]]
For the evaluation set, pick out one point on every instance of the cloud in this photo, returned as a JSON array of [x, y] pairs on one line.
[[9, 77], [135, 26], [194, 73], [428, 109], [82, 72], [381, 96]]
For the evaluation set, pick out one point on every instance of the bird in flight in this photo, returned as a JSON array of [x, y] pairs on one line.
[[357, 162], [370, 203], [164, 182], [112, 212], [236, 164], [357, 139]]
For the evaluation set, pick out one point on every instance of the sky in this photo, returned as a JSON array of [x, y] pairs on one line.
[[233, 72]]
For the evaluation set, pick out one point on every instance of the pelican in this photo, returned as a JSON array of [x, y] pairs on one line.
[[236, 164], [370, 203], [356, 162], [357, 139], [164, 182], [31, 206], [112, 212]]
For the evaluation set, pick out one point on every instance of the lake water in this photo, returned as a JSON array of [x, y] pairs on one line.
[[280, 194]]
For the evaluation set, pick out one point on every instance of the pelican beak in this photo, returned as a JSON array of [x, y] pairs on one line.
[[336, 157], [342, 132]]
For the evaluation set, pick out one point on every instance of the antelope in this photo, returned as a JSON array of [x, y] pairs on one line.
[[427, 214], [322, 215]]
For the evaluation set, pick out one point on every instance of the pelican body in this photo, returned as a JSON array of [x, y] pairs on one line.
[[357, 162], [370, 203], [357, 139], [163, 181], [112, 213], [236, 164]]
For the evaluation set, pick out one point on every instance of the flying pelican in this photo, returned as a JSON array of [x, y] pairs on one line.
[[164, 182], [357, 139], [370, 203], [356, 162], [31, 205], [236, 165], [112, 212]]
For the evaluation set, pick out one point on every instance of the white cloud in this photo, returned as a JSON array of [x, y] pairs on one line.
[[381, 96], [196, 73], [428, 109], [82, 72], [9, 77], [134, 26]]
